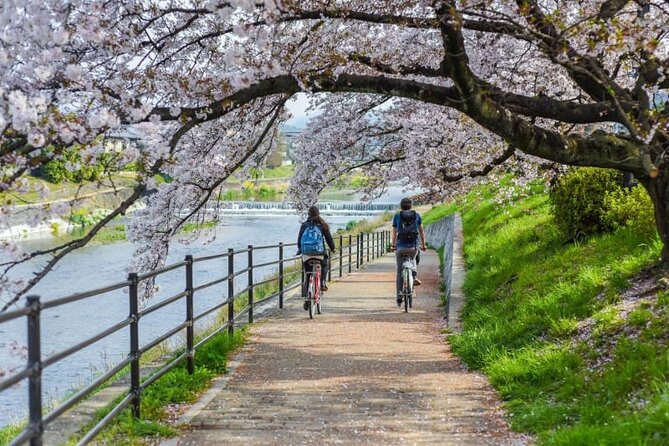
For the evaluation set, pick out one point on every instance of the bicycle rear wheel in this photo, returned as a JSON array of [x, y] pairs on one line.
[[310, 296], [410, 290], [318, 293], [405, 289], [310, 304]]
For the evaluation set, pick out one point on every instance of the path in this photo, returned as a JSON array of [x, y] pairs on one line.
[[364, 372]]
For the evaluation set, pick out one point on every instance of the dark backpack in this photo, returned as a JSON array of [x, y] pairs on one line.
[[312, 242], [408, 228]]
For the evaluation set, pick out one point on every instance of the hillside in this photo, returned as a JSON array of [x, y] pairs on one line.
[[574, 336]]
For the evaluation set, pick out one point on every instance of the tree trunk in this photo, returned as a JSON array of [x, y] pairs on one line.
[[658, 189]]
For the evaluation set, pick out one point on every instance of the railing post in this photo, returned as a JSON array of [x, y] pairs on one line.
[[341, 255], [378, 244], [371, 235], [368, 247], [383, 242], [350, 252], [281, 275], [375, 246], [361, 249], [35, 363], [134, 343], [231, 291], [190, 328], [250, 280]]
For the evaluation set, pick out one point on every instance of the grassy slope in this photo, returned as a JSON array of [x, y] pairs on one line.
[[545, 321]]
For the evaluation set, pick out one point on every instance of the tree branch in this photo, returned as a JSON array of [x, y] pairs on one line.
[[508, 153]]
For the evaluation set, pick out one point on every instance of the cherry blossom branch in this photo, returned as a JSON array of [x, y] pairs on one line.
[[585, 70], [542, 106], [508, 153], [252, 150]]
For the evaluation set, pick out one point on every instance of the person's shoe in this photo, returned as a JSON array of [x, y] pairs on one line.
[[324, 288], [306, 305], [416, 281], [399, 301]]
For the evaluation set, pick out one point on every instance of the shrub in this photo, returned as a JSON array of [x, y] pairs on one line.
[[578, 200], [630, 207], [84, 217], [54, 171]]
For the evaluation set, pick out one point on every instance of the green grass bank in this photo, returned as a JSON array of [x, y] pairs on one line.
[[574, 336]]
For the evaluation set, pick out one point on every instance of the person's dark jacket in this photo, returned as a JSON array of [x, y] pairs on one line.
[[326, 234]]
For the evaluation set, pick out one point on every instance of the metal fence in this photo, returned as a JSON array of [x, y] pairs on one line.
[[352, 252]]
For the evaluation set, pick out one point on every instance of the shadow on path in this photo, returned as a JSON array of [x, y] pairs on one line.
[[364, 372]]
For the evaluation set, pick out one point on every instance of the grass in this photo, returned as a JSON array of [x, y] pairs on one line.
[[117, 233], [277, 172], [175, 387], [64, 189], [251, 191], [545, 324], [355, 227], [8, 433]]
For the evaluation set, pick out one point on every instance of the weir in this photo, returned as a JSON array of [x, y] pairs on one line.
[[283, 207]]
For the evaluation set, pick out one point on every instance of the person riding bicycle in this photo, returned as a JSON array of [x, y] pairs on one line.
[[310, 241], [407, 226]]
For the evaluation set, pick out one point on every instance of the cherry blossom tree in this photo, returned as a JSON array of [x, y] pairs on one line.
[[432, 92]]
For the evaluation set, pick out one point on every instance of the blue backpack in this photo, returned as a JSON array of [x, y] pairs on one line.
[[312, 242]]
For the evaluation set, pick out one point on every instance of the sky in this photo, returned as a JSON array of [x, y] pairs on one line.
[[297, 106]]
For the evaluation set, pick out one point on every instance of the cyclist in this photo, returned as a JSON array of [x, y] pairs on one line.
[[407, 226], [313, 232]]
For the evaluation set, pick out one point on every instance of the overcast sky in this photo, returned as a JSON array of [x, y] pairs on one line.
[[297, 106]]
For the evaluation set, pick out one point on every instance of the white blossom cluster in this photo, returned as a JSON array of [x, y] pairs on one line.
[[435, 94]]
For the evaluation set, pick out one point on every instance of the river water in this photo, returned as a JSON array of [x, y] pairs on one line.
[[97, 266]]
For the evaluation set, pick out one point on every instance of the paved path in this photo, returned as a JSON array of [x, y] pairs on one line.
[[364, 372]]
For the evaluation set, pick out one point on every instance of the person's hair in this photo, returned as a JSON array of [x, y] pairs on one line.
[[315, 216], [405, 204]]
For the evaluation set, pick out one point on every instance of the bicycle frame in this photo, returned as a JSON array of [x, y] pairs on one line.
[[313, 285], [314, 280]]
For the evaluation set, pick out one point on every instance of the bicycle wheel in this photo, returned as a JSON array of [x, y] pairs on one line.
[[405, 289], [318, 294], [310, 296], [310, 304], [410, 288]]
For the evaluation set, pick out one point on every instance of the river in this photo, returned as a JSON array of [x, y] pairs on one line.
[[96, 266]]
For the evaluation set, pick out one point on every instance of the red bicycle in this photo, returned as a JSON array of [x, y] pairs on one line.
[[313, 284]]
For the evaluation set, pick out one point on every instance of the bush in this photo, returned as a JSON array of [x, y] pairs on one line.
[[578, 200], [54, 171], [630, 208]]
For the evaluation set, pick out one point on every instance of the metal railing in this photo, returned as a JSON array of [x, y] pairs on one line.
[[352, 252]]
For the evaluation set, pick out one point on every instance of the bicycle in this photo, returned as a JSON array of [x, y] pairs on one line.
[[313, 284], [408, 256]]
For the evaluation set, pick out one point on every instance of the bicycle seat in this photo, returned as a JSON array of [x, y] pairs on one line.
[[407, 252], [309, 258]]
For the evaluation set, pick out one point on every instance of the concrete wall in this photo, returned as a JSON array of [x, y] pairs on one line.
[[440, 234]]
